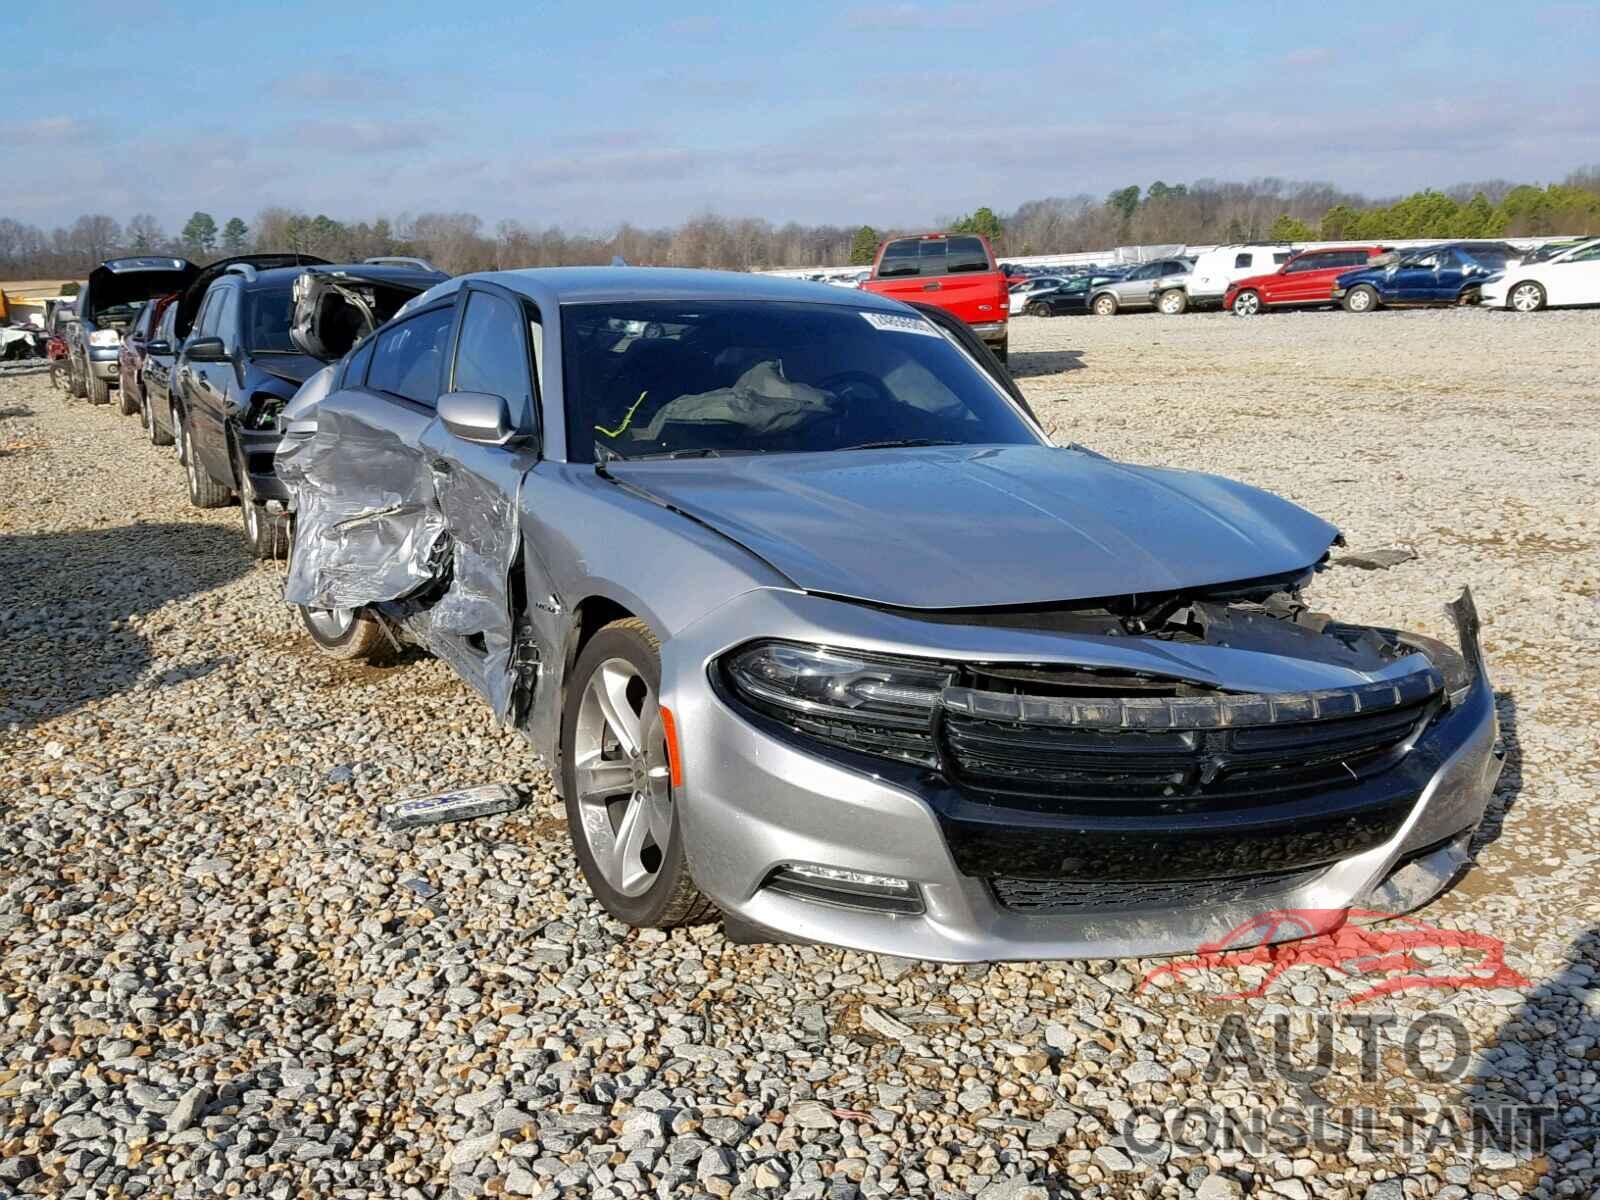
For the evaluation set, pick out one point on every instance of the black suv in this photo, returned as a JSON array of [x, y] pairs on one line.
[[243, 361]]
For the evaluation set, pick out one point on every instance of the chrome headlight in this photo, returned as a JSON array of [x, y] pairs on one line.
[[864, 702], [105, 337]]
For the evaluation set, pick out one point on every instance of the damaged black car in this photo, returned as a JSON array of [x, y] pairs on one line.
[[257, 335]]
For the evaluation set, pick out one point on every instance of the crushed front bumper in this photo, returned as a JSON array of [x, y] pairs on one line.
[[260, 449], [757, 800]]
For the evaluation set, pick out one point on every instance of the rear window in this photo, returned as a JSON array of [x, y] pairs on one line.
[[901, 258], [965, 254], [1241, 261], [959, 255]]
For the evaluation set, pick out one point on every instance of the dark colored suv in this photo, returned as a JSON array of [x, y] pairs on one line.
[[243, 361]]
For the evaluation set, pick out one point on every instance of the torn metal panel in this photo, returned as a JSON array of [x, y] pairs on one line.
[[368, 528], [392, 511], [335, 307], [472, 623]]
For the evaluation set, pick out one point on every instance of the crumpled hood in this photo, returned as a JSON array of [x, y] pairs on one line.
[[968, 527], [292, 368]]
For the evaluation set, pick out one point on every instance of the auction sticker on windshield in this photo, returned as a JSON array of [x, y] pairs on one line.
[[900, 323]]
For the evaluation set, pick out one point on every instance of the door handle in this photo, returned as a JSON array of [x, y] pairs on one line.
[[932, 287]]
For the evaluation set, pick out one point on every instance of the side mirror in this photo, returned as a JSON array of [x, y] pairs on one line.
[[159, 346], [207, 350], [477, 417]]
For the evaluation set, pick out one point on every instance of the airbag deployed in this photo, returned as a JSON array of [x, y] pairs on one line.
[[762, 401]]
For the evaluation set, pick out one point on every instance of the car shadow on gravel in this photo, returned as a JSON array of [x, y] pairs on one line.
[[1024, 364], [1525, 1093], [16, 410], [65, 603]]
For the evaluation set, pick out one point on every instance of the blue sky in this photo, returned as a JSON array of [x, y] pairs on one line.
[[887, 111]]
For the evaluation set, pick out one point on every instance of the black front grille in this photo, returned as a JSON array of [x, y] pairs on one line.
[[1166, 750], [1076, 895]]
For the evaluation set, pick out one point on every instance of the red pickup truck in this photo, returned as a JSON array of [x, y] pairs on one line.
[[955, 271]]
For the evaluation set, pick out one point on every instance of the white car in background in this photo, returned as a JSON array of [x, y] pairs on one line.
[[1215, 269], [1021, 293], [1571, 277]]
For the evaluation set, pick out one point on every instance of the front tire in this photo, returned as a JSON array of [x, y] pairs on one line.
[[99, 389], [265, 532], [1104, 305], [1173, 302], [1247, 304], [1526, 298], [204, 491], [128, 400], [75, 378], [1360, 299], [1035, 309], [158, 435], [617, 782]]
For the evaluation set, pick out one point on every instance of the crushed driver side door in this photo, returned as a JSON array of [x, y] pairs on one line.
[[478, 485], [368, 531]]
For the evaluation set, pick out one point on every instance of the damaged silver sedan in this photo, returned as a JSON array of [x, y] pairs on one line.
[[816, 628]]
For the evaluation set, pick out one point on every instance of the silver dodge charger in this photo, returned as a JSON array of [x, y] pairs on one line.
[[817, 629]]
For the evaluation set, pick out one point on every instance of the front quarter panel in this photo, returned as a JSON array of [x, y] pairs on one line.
[[588, 538]]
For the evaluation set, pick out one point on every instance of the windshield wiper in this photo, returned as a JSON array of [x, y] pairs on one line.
[[696, 452], [892, 443]]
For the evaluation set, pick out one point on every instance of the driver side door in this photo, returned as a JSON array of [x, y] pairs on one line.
[[478, 486], [1415, 279]]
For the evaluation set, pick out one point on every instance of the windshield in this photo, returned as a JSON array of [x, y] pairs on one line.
[[266, 321], [658, 378]]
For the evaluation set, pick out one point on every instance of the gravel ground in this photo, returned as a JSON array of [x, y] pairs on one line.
[[218, 977]]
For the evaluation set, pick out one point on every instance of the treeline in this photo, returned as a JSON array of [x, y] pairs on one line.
[[1199, 213]]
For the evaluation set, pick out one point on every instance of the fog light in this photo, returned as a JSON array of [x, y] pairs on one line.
[[850, 889]]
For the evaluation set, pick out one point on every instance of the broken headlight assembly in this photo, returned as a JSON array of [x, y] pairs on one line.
[[862, 702]]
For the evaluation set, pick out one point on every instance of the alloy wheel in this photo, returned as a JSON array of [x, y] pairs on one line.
[[623, 779], [331, 623], [1247, 304], [252, 511], [1526, 298]]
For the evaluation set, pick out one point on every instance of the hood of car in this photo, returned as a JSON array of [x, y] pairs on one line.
[[985, 526], [293, 369]]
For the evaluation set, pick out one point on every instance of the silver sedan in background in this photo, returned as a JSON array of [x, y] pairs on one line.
[[817, 629]]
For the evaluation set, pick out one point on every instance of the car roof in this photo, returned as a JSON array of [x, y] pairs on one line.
[[369, 272], [584, 285]]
